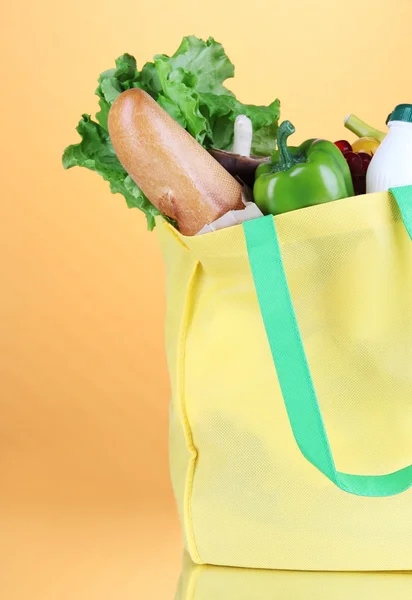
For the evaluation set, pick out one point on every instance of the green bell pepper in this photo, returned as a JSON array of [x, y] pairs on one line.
[[312, 173]]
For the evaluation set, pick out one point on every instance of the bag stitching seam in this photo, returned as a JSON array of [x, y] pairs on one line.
[[185, 421]]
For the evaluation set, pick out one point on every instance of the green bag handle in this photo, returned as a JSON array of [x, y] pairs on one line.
[[291, 363]]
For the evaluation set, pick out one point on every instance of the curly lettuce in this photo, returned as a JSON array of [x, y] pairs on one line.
[[189, 86]]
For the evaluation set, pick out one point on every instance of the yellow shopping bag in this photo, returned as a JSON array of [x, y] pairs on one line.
[[223, 583], [289, 344]]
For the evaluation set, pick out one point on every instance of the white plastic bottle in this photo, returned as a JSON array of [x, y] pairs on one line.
[[391, 165]]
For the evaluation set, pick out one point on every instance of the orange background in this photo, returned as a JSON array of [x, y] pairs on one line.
[[84, 385]]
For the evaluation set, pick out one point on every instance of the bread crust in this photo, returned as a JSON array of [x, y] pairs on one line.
[[171, 168]]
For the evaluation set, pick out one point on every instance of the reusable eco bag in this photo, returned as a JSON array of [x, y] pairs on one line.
[[289, 345], [222, 583]]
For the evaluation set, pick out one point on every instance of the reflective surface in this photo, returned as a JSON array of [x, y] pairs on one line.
[[98, 556], [217, 583]]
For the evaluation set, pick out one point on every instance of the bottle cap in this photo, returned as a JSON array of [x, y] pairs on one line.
[[403, 112]]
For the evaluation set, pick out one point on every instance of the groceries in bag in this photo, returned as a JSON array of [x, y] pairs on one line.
[[179, 177], [359, 153], [362, 129], [176, 143], [358, 161], [190, 86], [239, 161], [313, 173]]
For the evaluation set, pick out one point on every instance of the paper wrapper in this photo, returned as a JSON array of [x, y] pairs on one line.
[[234, 217]]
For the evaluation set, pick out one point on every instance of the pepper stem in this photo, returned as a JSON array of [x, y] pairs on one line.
[[286, 159]]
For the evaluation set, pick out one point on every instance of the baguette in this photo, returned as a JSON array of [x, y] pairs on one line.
[[172, 169]]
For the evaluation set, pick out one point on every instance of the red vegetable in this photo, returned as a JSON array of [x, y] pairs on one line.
[[358, 164], [366, 159], [355, 163], [343, 146]]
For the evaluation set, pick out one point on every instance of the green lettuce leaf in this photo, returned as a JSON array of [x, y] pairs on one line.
[[222, 112], [189, 85], [113, 82], [172, 108], [95, 152], [264, 140], [149, 80], [206, 61], [175, 88]]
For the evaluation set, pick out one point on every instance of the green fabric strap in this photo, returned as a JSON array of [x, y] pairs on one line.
[[291, 363]]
